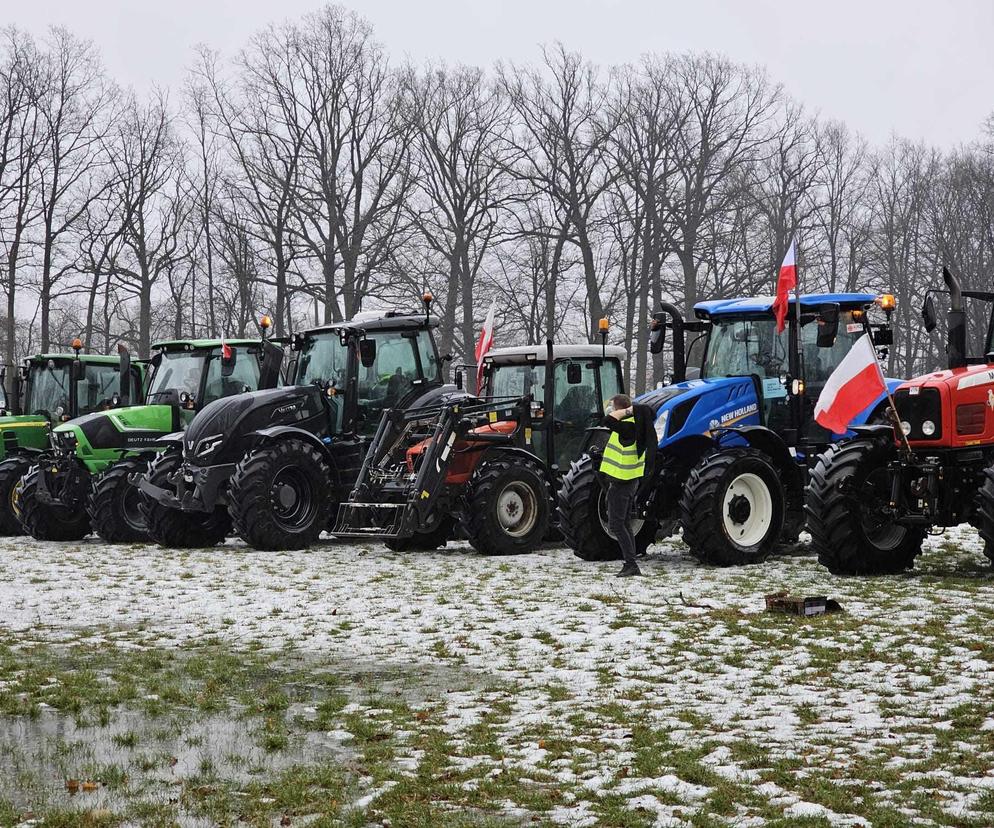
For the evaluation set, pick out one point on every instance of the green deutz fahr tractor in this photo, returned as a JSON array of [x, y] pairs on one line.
[[81, 484], [50, 389]]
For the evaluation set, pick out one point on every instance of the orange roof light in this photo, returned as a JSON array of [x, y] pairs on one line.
[[427, 297], [77, 344], [886, 301], [602, 326], [266, 322]]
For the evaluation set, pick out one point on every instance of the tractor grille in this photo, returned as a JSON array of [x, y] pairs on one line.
[[917, 408]]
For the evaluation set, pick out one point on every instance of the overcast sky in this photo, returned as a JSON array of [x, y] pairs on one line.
[[924, 70]]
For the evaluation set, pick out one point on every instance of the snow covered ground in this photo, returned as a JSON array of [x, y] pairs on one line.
[[540, 688]]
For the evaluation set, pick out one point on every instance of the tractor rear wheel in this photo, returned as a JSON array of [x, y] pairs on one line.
[[507, 505], [44, 521], [280, 496], [11, 471], [984, 516], [115, 505], [583, 516], [732, 508], [846, 500], [177, 528], [425, 541]]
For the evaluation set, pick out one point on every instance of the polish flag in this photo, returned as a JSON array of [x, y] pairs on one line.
[[225, 349], [484, 343], [786, 282], [856, 383]]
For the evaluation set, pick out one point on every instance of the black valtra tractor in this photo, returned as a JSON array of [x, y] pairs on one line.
[[273, 465]]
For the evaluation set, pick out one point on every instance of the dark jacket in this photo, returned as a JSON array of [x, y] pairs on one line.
[[642, 432]]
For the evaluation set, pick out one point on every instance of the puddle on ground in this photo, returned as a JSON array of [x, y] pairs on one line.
[[140, 757]]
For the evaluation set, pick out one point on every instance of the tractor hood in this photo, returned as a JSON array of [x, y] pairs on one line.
[[697, 407], [132, 428], [951, 408], [220, 433]]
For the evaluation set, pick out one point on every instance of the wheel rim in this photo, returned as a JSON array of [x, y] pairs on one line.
[[747, 509], [635, 524], [877, 525], [517, 509], [131, 509], [292, 498]]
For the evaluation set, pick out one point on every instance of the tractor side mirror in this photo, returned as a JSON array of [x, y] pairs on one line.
[[77, 371], [228, 363], [828, 325], [657, 336], [882, 337], [574, 373], [929, 317], [367, 352]]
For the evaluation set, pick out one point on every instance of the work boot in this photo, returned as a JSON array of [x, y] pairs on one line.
[[629, 570]]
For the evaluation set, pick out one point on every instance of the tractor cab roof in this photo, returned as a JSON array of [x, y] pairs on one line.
[[764, 304], [523, 354], [93, 359], [197, 344], [371, 321]]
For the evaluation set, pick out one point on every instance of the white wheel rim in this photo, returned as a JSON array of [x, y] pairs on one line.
[[516, 509], [747, 509]]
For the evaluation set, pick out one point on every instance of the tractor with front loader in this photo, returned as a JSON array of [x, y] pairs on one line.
[[50, 389], [736, 432], [273, 465], [82, 482], [485, 467], [872, 499]]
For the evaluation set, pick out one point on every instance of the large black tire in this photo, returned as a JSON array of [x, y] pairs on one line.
[[176, 528], [425, 541], [12, 469], [984, 515], [583, 516], [280, 496], [115, 505], [508, 503], [847, 490], [732, 508], [44, 521]]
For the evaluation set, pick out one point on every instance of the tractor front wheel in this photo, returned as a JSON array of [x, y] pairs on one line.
[[443, 532], [176, 528], [46, 521], [11, 471], [732, 508], [583, 516], [280, 496], [115, 504], [507, 505], [847, 500]]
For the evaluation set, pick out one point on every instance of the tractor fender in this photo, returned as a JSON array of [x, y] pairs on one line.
[[772, 444], [273, 434], [174, 440], [687, 450], [519, 452], [873, 430]]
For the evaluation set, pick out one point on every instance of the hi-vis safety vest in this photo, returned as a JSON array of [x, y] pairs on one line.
[[622, 462]]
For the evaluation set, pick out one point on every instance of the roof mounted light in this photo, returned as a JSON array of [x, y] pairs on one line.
[[886, 301]]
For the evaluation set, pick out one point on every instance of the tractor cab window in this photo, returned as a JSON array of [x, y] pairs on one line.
[[741, 347], [324, 360], [580, 405], [178, 371], [518, 381], [48, 389], [820, 362], [394, 374], [96, 390], [244, 375]]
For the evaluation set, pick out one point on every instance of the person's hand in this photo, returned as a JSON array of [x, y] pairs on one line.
[[620, 414]]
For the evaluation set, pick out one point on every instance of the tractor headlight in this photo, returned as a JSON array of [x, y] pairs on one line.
[[661, 424], [905, 427], [928, 428]]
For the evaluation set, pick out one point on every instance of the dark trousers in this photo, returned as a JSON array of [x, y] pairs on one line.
[[620, 494]]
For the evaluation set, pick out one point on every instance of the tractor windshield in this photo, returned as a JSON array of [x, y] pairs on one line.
[[96, 390], [518, 380], [184, 371], [48, 389], [404, 360], [324, 360]]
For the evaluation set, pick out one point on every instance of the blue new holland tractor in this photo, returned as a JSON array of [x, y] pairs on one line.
[[736, 428]]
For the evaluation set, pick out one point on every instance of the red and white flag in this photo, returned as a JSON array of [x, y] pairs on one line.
[[856, 383], [484, 343], [786, 282], [225, 349]]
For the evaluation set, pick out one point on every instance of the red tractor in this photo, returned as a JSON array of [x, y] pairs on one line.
[[871, 500]]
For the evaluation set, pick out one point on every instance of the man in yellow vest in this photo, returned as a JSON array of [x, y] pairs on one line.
[[623, 466]]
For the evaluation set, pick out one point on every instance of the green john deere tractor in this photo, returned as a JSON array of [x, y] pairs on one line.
[[50, 389], [81, 483]]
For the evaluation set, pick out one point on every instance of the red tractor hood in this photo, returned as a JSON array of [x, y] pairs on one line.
[[959, 403]]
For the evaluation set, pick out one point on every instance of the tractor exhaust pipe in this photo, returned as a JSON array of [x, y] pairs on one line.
[[657, 338], [956, 345]]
